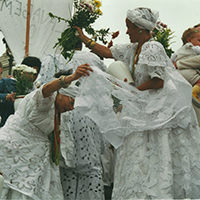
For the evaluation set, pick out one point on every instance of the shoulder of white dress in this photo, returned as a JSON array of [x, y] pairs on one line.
[[153, 42], [153, 45]]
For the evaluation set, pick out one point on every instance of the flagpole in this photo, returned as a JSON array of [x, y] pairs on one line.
[[28, 27]]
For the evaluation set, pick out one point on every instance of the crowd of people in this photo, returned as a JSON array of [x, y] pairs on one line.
[[84, 134]]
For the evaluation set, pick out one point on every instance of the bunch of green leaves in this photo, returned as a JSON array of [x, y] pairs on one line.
[[67, 43], [164, 35], [84, 16], [24, 82]]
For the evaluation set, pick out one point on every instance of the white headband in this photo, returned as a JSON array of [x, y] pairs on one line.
[[71, 91], [143, 18]]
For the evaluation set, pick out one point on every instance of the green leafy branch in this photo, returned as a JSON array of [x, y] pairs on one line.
[[164, 35]]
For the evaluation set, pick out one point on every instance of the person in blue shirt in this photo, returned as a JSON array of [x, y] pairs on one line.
[[7, 93]]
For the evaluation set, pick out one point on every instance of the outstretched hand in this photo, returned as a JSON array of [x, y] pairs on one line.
[[82, 70], [54, 85]]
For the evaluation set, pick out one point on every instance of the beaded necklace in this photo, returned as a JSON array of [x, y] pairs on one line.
[[136, 57], [55, 138]]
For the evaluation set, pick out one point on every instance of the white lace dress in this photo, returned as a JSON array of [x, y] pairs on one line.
[[25, 156], [156, 135]]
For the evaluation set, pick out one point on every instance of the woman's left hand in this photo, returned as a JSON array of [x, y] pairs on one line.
[[82, 70]]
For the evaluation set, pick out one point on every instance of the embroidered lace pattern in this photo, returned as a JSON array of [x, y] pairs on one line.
[[84, 179]]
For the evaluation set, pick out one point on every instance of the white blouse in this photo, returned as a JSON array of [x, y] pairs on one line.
[[25, 154]]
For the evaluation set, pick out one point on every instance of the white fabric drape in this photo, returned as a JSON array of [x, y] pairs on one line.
[[43, 30], [139, 111]]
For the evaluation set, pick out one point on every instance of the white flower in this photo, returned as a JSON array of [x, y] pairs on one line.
[[24, 68], [30, 70]]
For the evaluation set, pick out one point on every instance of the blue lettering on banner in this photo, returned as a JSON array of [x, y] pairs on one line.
[[15, 7], [18, 8], [6, 4]]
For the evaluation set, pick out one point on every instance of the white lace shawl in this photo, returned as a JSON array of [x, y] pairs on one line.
[[139, 110]]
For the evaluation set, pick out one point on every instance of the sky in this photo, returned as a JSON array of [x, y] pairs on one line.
[[177, 14]]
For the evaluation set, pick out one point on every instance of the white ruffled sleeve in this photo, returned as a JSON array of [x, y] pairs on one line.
[[42, 103], [124, 52], [153, 55]]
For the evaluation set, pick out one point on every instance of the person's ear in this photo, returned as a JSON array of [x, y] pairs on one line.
[[189, 39]]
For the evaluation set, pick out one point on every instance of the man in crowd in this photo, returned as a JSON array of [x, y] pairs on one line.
[[7, 93]]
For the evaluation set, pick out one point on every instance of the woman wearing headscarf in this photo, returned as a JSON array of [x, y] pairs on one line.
[[156, 135], [81, 147], [30, 170]]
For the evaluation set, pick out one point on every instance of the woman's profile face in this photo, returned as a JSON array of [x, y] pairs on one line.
[[64, 103], [133, 31]]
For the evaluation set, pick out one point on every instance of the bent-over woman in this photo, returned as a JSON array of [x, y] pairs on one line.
[[25, 149]]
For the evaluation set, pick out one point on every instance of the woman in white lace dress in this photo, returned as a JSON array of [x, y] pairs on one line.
[[25, 149], [158, 149]]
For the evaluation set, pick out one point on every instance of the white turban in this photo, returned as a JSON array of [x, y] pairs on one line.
[[143, 18], [71, 91]]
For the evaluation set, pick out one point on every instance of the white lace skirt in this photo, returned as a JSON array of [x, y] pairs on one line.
[[162, 164]]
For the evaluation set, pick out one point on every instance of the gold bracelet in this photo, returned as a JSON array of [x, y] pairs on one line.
[[7, 97], [92, 45], [62, 82], [87, 44]]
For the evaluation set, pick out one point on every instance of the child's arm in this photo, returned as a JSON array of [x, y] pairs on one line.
[[193, 62]]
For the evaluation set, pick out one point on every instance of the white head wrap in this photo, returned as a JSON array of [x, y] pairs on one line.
[[143, 18], [71, 91]]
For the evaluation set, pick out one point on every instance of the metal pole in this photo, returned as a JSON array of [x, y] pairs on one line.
[[28, 27]]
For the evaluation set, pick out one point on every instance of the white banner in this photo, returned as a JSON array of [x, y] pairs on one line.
[[44, 31]]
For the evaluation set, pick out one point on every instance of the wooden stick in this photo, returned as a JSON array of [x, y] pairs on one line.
[[27, 28]]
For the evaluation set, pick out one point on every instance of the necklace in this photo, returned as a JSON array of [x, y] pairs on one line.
[[136, 57]]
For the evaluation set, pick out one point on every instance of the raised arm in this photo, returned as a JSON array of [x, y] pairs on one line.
[[95, 47], [64, 81]]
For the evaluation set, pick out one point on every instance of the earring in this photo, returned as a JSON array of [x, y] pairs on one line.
[[60, 97], [140, 31]]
